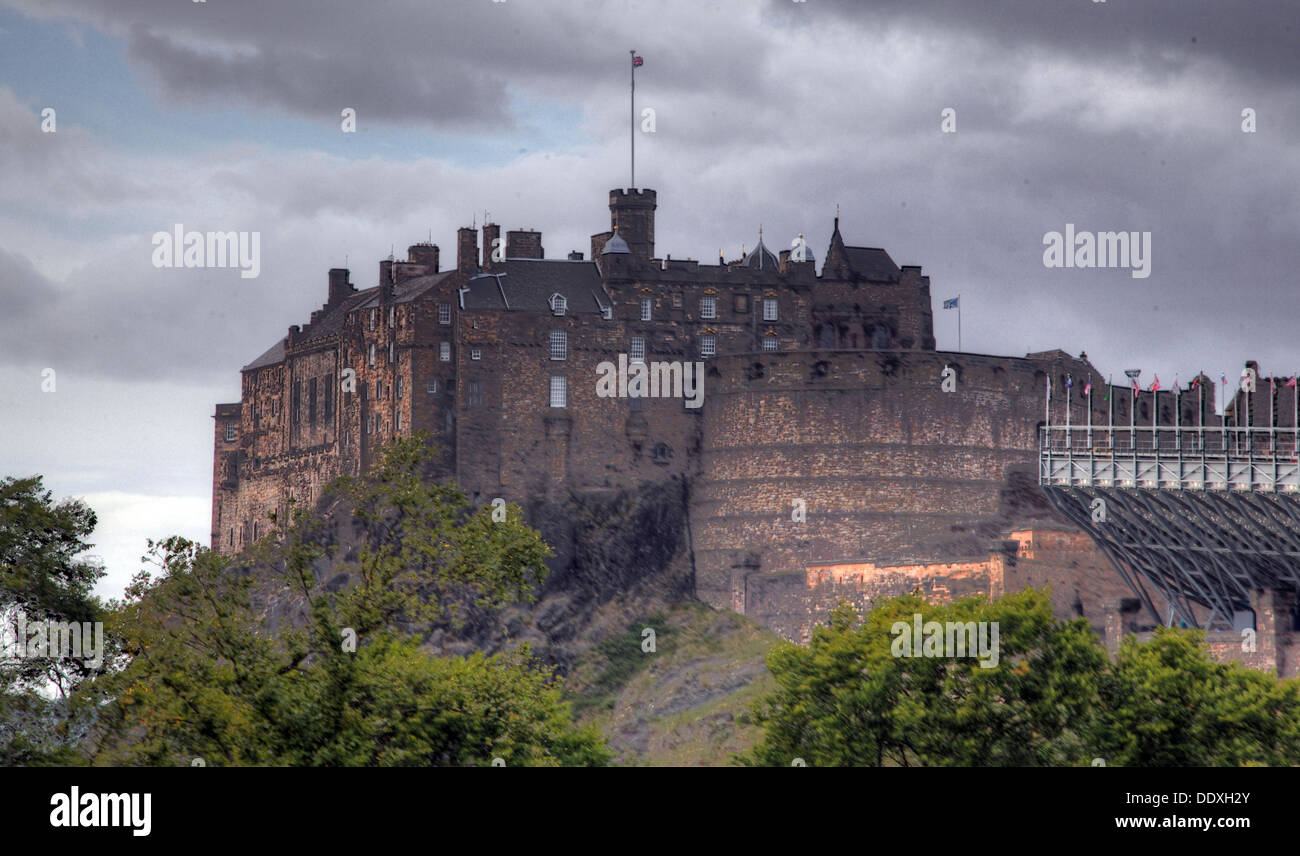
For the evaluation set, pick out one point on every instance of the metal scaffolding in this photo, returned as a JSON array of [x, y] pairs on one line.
[[1202, 515]]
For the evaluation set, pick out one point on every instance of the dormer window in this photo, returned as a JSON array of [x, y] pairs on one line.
[[558, 304]]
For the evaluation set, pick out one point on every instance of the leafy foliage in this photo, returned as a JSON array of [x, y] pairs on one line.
[[209, 680], [1054, 698]]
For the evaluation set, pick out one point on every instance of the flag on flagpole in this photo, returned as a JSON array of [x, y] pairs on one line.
[[952, 303], [1155, 386], [1135, 388], [1291, 382], [1087, 388], [1196, 381], [637, 61]]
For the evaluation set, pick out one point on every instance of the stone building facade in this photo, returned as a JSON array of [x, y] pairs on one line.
[[827, 458]]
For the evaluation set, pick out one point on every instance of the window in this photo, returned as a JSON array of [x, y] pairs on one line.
[[390, 352], [636, 352], [708, 345], [559, 345], [431, 388], [770, 343], [474, 393], [559, 391], [444, 313], [476, 353], [769, 308], [372, 319], [399, 387], [647, 306], [372, 353], [607, 312], [709, 307], [636, 403], [677, 300], [379, 390], [311, 403], [230, 432], [370, 427], [297, 402], [558, 304], [329, 398], [444, 351], [398, 424], [392, 316], [740, 303]]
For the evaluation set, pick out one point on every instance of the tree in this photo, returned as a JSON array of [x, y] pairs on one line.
[[239, 663], [848, 699], [42, 577], [1168, 705]]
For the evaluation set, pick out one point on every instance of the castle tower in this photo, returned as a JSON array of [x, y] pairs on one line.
[[632, 215]]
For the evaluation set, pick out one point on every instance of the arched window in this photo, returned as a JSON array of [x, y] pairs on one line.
[[558, 304]]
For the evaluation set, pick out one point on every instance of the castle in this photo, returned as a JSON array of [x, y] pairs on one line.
[[836, 454]]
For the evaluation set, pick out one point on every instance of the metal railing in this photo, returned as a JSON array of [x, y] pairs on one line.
[[1200, 457]]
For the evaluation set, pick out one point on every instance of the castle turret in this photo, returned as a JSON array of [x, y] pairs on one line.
[[632, 215]]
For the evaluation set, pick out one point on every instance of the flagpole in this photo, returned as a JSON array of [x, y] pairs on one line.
[[631, 104], [1089, 388], [958, 322], [1110, 411]]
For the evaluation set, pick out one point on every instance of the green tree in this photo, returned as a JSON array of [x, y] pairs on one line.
[[44, 575], [1053, 698], [240, 664], [1166, 704]]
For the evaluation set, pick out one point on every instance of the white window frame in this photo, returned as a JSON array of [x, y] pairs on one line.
[[770, 311], [636, 350], [771, 343], [647, 308], [476, 353], [559, 304], [431, 388], [444, 314], [392, 316], [709, 307], [708, 345], [372, 319], [559, 340], [444, 352], [391, 356], [399, 386], [230, 432], [559, 391], [372, 353]]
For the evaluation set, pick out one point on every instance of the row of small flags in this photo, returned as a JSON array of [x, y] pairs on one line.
[[1155, 385]]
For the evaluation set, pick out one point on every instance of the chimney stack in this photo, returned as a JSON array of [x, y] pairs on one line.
[[339, 286], [491, 234], [466, 251], [524, 245], [423, 254]]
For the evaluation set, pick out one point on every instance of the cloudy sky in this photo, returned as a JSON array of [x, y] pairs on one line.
[[226, 115]]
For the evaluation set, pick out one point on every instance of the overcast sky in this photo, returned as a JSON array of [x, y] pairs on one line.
[[226, 115]]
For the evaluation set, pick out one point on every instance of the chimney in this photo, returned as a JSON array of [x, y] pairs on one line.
[[632, 215], [339, 286], [491, 234], [524, 245], [783, 261], [575, 256], [386, 272], [466, 251], [423, 254]]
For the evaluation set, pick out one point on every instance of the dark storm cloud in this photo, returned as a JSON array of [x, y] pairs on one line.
[[451, 65], [1257, 38]]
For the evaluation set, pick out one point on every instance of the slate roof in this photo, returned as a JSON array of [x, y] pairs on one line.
[[615, 244], [332, 321], [872, 264], [761, 258], [527, 285]]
